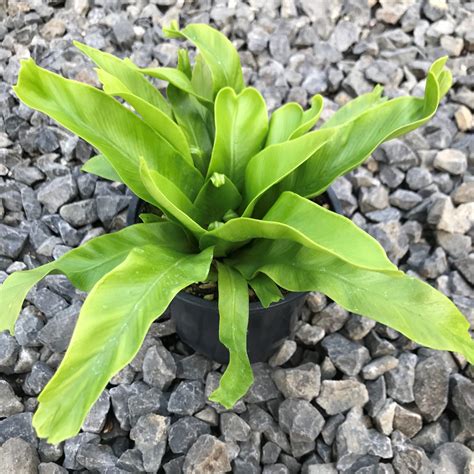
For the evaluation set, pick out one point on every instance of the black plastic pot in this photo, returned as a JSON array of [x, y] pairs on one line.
[[197, 320]]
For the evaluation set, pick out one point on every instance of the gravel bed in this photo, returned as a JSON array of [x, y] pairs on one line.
[[345, 394]]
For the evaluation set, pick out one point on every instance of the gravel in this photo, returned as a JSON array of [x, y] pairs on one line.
[[345, 394]]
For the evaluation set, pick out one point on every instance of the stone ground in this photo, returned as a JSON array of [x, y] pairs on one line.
[[346, 395]]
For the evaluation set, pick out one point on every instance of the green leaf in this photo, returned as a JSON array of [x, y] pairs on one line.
[[300, 220], [390, 297], [128, 76], [111, 328], [354, 140], [170, 199], [196, 121], [265, 289], [201, 78], [218, 52], [175, 77], [275, 162], [85, 265], [233, 322], [290, 121], [164, 126], [213, 201], [355, 107], [100, 166], [116, 132], [241, 126]]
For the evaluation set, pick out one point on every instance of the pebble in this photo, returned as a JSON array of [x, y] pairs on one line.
[[301, 420], [349, 357], [184, 432], [10, 404], [159, 367], [150, 435], [283, 354], [401, 379], [12, 241], [79, 213], [207, 454], [19, 457], [431, 387], [299, 382], [338, 396], [378, 367], [187, 399], [451, 160]]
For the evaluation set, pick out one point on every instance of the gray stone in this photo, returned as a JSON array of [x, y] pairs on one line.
[[397, 153], [96, 457], [451, 457], [119, 397], [149, 401], [309, 335], [456, 245], [431, 437], [299, 382], [37, 379], [257, 39], [283, 354], [379, 347], [8, 352], [418, 178], [400, 380], [378, 367], [30, 204], [466, 267], [159, 367], [95, 421], [383, 418], [58, 330], [435, 9], [18, 426], [279, 46], [338, 396], [50, 452], [57, 192], [10, 404], [27, 327], [462, 396], [79, 213], [48, 302], [51, 468], [184, 432], [188, 398], [331, 319], [270, 453], [357, 327], [451, 160], [352, 438], [12, 241], [275, 469], [131, 460], [409, 458], [263, 388], [431, 387], [150, 435], [404, 199], [344, 35], [207, 454], [175, 466], [407, 422], [19, 457], [193, 367], [464, 193], [379, 445], [349, 357], [372, 199], [301, 420], [108, 206], [234, 428], [124, 34]]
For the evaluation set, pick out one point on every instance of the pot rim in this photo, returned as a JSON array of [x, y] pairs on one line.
[[253, 306]]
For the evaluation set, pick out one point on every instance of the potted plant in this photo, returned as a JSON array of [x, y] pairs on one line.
[[235, 190]]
